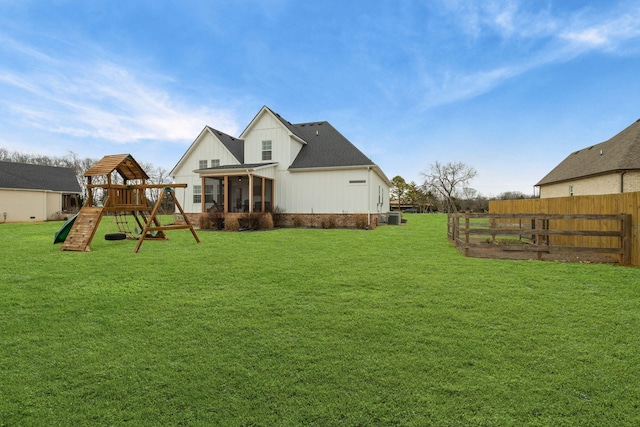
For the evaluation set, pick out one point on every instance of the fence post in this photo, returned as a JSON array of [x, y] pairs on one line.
[[466, 234], [456, 227], [626, 239], [539, 223], [492, 226]]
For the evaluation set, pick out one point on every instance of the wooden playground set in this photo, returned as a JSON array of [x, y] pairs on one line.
[[121, 199]]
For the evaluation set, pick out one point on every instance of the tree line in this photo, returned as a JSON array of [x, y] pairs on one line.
[[157, 175], [445, 188]]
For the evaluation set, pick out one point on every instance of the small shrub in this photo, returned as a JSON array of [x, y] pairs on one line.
[[277, 214], [205, 222], [266, 221], [329, 222], [250, 221], [298, 221], [361, 221], [216, 216], [231, 224]]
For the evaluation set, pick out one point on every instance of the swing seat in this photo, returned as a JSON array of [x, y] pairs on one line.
[[139, 232]]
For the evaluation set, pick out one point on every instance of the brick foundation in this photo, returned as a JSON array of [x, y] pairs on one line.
[[300, 220]]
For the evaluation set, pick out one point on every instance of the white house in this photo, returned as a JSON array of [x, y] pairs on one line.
[[302, 169]]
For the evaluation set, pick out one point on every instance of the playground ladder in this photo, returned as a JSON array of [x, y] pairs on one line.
[[83, 230]]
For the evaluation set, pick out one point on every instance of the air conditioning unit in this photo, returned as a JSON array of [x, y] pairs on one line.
[[394, 218]]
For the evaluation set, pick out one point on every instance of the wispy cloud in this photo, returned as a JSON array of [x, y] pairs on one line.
[[549, 39], [608, 35], [100, 99]]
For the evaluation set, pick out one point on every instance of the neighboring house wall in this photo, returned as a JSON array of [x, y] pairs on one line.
[[27, 205], [602, 184], [631, 181]]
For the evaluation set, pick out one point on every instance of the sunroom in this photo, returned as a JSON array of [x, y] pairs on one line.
[[236, 188]]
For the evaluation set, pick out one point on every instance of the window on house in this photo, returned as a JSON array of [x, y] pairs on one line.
[[357, 181], [202, 164], [266, 150], [197, 193], [571, 190], [215, 163]]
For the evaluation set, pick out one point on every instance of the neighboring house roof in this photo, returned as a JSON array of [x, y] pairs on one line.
[[622, 152], [36, 177]]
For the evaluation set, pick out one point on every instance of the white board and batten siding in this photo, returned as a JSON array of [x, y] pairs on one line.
[[334, 191], [284, 148], [206, 147]]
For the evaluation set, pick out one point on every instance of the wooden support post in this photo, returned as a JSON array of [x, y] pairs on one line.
[[153, 219], [262, 185], [186, 220], [226, 194]]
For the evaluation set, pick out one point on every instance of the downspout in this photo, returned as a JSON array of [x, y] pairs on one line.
[[622, 181]]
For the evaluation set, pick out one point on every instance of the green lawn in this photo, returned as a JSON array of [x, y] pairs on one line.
[[311, 327]]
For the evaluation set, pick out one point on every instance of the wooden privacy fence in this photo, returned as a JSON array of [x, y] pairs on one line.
[[605, 204], [543, 233]]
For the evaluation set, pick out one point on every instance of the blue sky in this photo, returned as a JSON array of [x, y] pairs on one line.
[[509, 87]]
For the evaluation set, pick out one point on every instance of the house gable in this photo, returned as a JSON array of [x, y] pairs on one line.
[[211, 144], [269, 126]]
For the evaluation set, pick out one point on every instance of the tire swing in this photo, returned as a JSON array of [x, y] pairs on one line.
[[123, 228], [115, 236]]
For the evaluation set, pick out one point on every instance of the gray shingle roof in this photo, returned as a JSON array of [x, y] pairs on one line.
[[326, 147], [292, 128], [622, 152], [36, 177], [234, 145]]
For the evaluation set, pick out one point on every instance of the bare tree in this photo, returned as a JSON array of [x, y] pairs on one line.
[[448, 180], [157, 175]]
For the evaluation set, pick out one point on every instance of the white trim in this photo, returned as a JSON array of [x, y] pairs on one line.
[[227, 171], [267, 110]]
